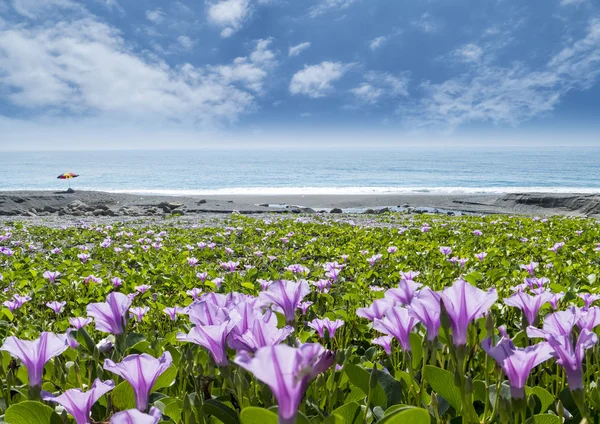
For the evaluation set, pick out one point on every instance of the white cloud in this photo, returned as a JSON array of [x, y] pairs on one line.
[[185, 42], [251, 71], [377, 42], [380, 85], [469, 53], [325, 6], [85, 67], [316, 80], [509, 94], [156, 15], [229, 15], [34, 9], [298, 48], [572, 2], [427, 23]]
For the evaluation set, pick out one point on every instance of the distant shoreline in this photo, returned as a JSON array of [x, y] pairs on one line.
[[97, 204]]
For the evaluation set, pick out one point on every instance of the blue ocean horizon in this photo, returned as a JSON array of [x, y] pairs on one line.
[[307, 171]]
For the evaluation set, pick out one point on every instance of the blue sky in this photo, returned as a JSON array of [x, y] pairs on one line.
[[125, 73]]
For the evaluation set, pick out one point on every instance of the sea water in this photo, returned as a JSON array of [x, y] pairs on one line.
[[309, 171]]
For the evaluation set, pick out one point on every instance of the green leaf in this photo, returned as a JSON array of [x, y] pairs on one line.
[[166, 379], [123, 396], [221, 411], [442, 382], [30, 412], [543, 419], [360, 377], [546, 399], [253, 415], [408, 415], [350, 413]]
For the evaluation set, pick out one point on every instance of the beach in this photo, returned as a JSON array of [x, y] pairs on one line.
[[62, 206]]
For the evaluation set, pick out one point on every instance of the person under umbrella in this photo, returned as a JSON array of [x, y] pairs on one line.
[[68, 176]]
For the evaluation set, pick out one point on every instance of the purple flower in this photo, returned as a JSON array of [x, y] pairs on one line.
[[56, 306], [202, 276], [78, 403], [229, 266], [211, 337], [260, 331], [116, 282], [446, 250], [477, 233], [588, 298], [287, 371], [481, 256], [530, 305], [571, 355], [143, 288], [192, 261], [173, 312], [517, 363], [320, 325], [333, 274], [51, 276], [374, 259], [141, 371], [385, 342], [264, 284], [397, 322], [322, 285], [404, 293], [138, 312], [556, 297], [133, 416], [377, 309], [79, 322], [12, 305], [303, 306], [557, 247], [83, 257], [21, 300], [409, 275], [286, 295], [195, 292], [218, 281], [110, 316], [35, 353], [425, 306], [589, 318], [93, 278], [464, 303], [392, 249], [530, 267]]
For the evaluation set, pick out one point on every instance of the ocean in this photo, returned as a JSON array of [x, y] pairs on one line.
[[304, 171]]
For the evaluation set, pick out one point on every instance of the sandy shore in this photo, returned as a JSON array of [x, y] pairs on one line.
[[99, 204]]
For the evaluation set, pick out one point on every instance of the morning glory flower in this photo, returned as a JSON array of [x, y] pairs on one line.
[[557, 247], [385, 342], [516, 363], [571, 355], [173, 312], [374, 259], [464, 303], [530, 267], [194, 293], [133, 416], [56, 306], [138, 312], [21, 300], [297, 269], [322, 285], [51, 276], [333, 274], [287, 371], [110, 316], [79, 322], [425, 306], [141, 371], [93, 278], [202, 276], [286, 296], [303, 306], [397, 322], [530, 305], [377, 309], [477, 233], [116, 282], [229, 266], [211, 337], [320, 325], [262, 333], [480, 256], [143, 288], [446, 250], [392, 249], [264, 284], [35, 353], [404, 293], [218, 281], [12, 305], [78, 403], [83, 257], [588, 298], [589, 318]]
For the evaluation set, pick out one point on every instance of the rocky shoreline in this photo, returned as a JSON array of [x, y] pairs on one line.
[[83, 204]]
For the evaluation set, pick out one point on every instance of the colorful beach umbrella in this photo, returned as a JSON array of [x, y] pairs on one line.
[[67, 176]]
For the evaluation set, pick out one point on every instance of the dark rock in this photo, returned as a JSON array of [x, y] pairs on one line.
[[307, 210], [406, 205], [369, 211], [230, 201], [264, 205], [450, 213], [70, 190], [201, 201], [18, 199], [336, 210], [98, 212], [295, 210], [50, 209], [77, 205], [383, 210]]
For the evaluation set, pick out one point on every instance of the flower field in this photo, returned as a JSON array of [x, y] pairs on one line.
[[400, 319]]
